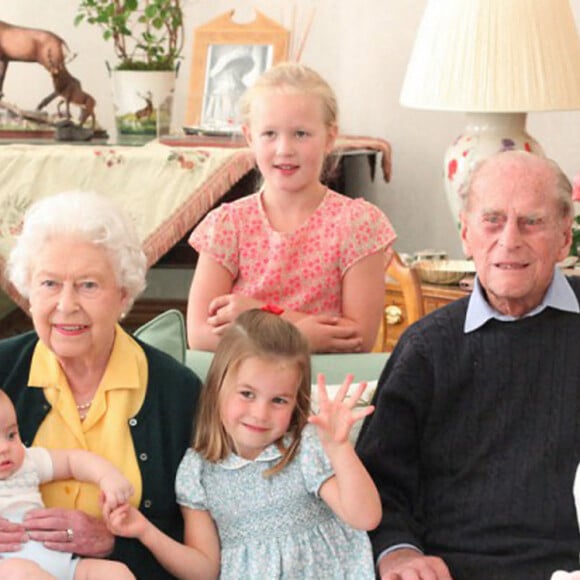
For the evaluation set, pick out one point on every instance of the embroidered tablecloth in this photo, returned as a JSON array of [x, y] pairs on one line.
[[166, 189]]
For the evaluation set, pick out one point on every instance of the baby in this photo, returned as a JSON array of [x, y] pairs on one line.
[[22, 470]]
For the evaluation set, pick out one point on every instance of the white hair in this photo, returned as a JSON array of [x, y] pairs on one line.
[[94, 218]]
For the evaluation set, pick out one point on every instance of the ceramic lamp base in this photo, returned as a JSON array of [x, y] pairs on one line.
[[484, 135]]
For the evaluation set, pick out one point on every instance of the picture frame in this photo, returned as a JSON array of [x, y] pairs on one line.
[[227, 58]]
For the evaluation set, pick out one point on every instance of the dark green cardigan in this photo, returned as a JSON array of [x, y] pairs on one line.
[[161, 433]]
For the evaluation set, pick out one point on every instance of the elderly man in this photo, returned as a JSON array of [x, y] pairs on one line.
[[476, 434]]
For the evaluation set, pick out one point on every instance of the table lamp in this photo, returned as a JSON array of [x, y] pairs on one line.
[[496, 60]]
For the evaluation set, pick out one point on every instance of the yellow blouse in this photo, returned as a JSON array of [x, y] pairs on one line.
[[104, 431]]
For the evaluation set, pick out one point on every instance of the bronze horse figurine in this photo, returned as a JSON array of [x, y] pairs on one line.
[[70, 89], [21, 44]]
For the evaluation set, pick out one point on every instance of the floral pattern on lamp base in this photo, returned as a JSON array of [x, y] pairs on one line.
[[484, 135]]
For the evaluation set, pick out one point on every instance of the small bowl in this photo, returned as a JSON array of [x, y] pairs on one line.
[[429, 255], [444, 271]]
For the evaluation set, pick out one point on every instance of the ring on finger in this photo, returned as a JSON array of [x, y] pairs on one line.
[[70, 534]]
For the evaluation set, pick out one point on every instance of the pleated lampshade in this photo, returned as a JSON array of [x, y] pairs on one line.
[[495, 56], [496, 60]]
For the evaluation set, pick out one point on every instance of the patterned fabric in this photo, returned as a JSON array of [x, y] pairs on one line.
[[275, 527], [301, 270]]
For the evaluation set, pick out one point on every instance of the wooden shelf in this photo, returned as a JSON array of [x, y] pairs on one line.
[[434, 296]]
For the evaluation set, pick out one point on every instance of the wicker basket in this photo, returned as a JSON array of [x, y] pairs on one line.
[[444, 271]]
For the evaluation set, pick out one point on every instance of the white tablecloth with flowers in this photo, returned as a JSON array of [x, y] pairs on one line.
[[165, 189]]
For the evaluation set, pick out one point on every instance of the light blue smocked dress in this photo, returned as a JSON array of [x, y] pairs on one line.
[[275, 527]]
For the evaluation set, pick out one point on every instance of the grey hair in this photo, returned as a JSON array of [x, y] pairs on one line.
[[94, 218], [562, 183]]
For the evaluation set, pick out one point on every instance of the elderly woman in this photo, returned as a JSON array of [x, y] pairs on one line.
[[79, 380]]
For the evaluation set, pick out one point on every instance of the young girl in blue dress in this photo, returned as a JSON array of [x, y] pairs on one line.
[[268, 491]]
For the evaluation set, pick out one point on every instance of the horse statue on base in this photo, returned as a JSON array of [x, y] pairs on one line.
[[21, 44], [70, 89]]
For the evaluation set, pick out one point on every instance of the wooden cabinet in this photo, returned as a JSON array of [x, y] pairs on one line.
[[434, 296]]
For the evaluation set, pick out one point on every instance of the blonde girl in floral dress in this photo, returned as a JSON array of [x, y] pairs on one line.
[[317, 256]]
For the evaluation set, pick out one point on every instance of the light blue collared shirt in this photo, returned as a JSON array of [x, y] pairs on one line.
[[559, 295]]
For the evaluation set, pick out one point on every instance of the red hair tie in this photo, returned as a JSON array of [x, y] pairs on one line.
[[273, 309]]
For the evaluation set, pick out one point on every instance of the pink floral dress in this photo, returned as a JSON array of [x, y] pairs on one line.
[[301, 270]]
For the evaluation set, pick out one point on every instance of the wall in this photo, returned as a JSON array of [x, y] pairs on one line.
[[362, 48]]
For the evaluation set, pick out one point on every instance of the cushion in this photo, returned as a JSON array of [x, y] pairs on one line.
[[365, 398], [167, 333], [364, 366]]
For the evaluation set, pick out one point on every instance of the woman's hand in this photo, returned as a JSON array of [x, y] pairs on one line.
[[69, 531], [11, 536], [336, 416]]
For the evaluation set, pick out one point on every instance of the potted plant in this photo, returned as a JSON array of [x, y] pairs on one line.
[[147, 35]]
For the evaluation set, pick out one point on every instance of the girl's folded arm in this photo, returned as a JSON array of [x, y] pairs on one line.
[[363, 295]]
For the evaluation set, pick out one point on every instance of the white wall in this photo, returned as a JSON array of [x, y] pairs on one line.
[[362, 48]]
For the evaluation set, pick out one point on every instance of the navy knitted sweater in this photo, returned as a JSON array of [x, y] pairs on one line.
[[475, 441]]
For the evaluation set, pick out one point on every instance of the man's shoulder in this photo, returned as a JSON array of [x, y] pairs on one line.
[[437, 329]]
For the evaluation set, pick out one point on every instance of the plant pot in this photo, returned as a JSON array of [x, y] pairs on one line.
[[143, 102]]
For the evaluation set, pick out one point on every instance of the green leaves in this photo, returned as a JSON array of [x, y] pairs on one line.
[[147, 34]]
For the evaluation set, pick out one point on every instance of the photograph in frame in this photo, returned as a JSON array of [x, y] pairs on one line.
[[231, 69], [227, 58]]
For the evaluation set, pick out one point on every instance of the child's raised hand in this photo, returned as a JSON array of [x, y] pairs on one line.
[[336, 417], [116, 489]]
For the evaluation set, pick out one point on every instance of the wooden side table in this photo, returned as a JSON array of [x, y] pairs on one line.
[[434, 296]]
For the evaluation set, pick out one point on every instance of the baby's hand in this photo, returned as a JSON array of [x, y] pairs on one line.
[[336, 417], [116, 489]]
